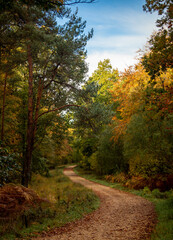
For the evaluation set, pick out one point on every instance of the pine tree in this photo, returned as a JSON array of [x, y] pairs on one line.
[[55, 60]]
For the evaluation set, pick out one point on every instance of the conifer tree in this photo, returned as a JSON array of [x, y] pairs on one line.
[[158, 54], [55, 60]]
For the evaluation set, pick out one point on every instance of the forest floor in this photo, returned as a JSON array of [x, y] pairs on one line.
[[121, 216]]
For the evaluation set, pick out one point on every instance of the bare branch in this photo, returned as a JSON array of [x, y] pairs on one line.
[[71, 2]]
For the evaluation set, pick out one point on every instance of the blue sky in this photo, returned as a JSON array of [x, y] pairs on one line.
[[121, 28]]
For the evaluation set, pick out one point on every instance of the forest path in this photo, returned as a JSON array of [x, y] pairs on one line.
[[121, 216]]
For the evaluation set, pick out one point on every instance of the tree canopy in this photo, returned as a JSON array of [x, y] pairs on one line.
[[109, 123], [48, 61]]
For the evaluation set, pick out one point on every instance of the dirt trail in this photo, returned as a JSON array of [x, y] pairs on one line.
[[121, 216]]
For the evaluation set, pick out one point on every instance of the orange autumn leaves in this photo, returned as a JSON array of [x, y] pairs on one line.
[[135, 91]]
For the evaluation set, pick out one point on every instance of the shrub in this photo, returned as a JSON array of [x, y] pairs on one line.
[[74, 195], [146, 165], [120, 178], [16, 199], [10, 167], [146, 191], [157, 194], [136, 182], [84, 163]]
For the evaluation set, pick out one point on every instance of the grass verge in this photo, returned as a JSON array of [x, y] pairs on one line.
[[163, 204], [66, 202]]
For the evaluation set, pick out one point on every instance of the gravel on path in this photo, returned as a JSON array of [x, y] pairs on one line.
[[121, 216]]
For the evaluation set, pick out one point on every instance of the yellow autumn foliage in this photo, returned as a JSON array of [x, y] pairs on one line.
[[165, 79], [128, 93]]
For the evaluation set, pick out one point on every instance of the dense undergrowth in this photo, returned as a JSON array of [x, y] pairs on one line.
[[64, 202], [163, 202]]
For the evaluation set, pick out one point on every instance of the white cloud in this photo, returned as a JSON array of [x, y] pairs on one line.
[[118, 36], [121, 20], [121, 50], [134, 21], [120, 61], [119, 42], [120, 30]]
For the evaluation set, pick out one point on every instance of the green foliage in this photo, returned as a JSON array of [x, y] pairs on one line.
[[163, 203], [76, 155], [39, 164], [52, 134], [158, 55], [105, 157], [104, 77], [65, 202], [97, 109], [164, 228], [35, 49], [157, 194], [9, 4], [164, 9], [10, 168], [146, 191], [73, 196], [148, 146], [99, 153], [109, 157], [146, 165], [159, 52], [84, 163], [93, 163]]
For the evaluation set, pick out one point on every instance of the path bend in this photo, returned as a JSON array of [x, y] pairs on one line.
[[121, 216]]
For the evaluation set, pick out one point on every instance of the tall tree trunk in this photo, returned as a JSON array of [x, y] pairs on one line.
[[3, 109], [39, 96], [30, 126]]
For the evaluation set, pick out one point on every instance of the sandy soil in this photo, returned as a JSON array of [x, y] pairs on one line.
[[121, 216]]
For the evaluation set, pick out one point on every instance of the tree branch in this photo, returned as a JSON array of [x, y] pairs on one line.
[[71, 2], [57, 109], [53, 76], [77, 2], [67, 85]]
